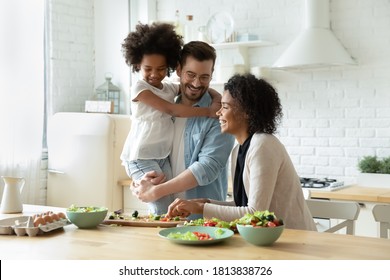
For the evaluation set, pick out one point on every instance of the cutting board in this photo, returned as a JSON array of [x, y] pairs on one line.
[[143, 222]]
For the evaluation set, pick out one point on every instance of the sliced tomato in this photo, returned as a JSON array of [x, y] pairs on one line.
[[210, 224], [271, 224], [202, 236]]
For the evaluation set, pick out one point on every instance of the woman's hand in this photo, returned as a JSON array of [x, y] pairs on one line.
[[183, 208]]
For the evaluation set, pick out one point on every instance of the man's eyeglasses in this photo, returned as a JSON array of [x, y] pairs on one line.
[[204, 79]]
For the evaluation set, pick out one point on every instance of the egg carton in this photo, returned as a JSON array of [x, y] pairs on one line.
[[22, 226]]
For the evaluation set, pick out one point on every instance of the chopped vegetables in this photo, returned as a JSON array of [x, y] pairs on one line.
[[260, 219], [213, 222], [163, 218], [189, 235], [119, 215], [77, 209], [219, 232], [135, 214]]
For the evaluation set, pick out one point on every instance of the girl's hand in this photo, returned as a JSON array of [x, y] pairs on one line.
[[216, 104], [214, 108], [154, 177]]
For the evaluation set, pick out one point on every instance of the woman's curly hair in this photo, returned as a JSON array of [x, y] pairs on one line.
[[156, 38], [258, 100]]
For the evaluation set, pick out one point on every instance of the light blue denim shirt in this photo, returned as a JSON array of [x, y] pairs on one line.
[[206, 152]]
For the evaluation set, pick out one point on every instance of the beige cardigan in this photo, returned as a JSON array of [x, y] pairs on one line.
[[271, 183]]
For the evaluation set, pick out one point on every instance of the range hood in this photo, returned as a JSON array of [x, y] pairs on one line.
[[316, 46]]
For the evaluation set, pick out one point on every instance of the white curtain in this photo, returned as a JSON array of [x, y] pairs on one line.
[[22, 94]]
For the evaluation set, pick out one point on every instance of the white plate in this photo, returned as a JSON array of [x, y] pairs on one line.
[[220, 27]]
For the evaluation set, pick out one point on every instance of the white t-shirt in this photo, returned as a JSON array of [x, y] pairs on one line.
[[151, 133], [177, 154]]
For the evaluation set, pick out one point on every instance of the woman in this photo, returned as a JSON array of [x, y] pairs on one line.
[[264, 176]]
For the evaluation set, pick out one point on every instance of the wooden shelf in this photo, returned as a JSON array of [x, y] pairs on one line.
[[242, 48], [246, 44]]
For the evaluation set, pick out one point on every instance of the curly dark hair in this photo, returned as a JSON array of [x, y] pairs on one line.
[[259, 100], [156, 38]]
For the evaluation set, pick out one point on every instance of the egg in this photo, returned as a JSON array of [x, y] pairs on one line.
[[61, 215], [39, 221], [54, 217], [47, 219]]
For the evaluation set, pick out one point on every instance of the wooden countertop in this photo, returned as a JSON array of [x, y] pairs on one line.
[[355, 193], [124, 182], [108, 242]]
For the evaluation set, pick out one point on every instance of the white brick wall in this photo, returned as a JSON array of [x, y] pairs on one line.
[[71, 54], [332, 116]]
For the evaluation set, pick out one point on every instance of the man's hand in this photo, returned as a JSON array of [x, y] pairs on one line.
[[144, 190]]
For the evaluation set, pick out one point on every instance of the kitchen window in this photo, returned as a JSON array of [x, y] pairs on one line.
[[22, 93]]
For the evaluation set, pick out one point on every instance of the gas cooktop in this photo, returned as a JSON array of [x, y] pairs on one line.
[[321, 183]]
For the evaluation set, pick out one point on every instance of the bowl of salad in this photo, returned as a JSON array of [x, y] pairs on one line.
[[86, 216], [260, 228]]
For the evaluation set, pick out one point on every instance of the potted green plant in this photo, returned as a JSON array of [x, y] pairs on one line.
[[375, 172]]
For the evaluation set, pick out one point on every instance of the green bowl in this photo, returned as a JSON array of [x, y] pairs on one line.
[[261, 236], [86, 220]]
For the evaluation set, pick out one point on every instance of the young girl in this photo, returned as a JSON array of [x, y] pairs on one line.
[[153, 51]]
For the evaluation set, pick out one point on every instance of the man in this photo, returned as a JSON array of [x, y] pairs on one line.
[[200, 152]]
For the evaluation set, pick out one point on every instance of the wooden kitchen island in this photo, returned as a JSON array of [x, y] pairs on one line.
[[141, 243]]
